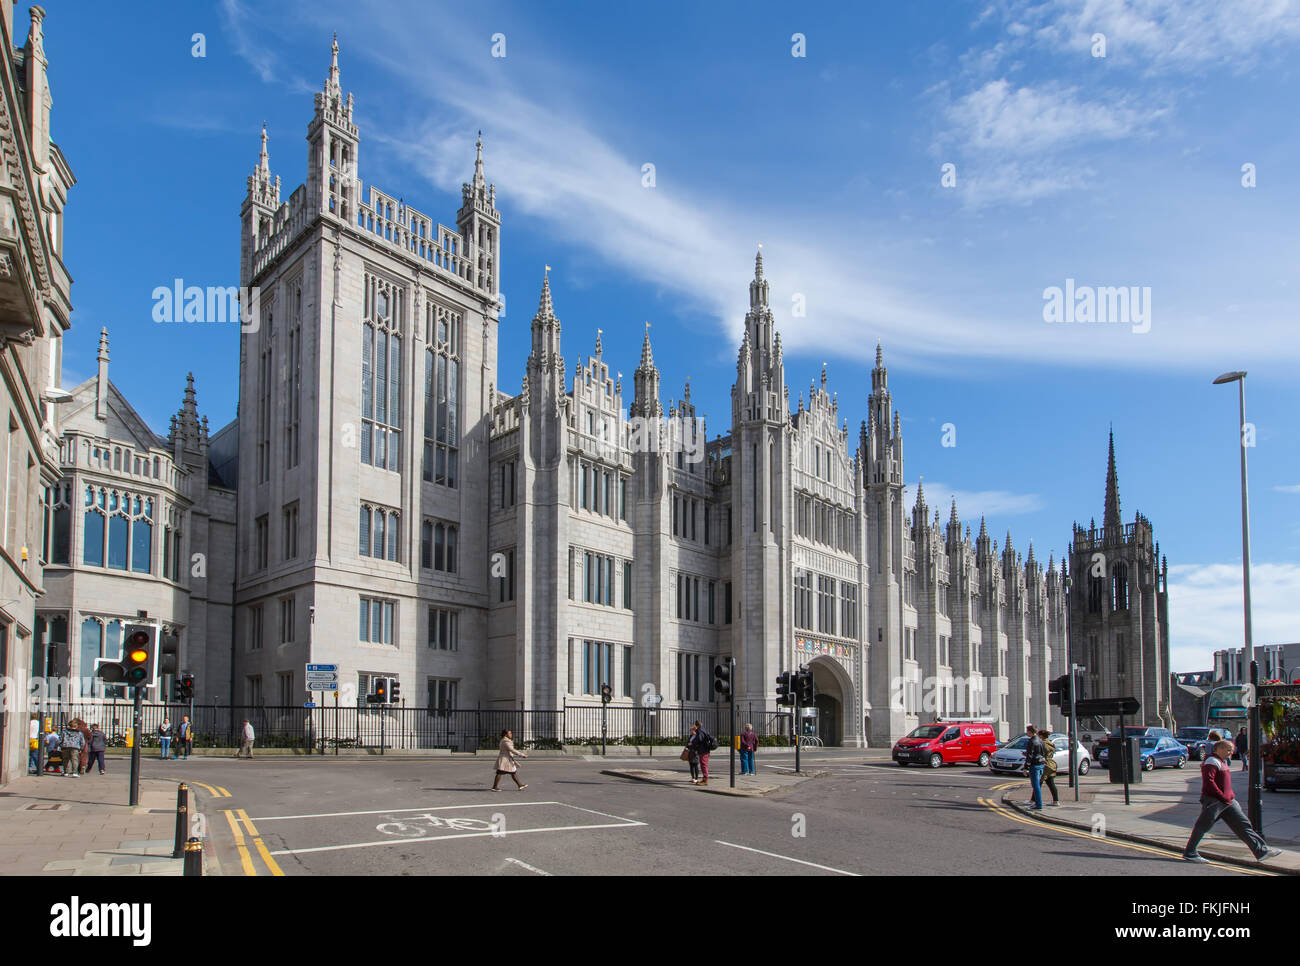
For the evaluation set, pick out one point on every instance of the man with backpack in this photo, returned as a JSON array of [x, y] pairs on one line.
[[703, 743]]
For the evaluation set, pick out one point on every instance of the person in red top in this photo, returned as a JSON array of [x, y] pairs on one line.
[[748, 745], [1218, 801]]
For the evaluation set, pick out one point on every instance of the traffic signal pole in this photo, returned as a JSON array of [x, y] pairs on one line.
[[732, 694], [1074, 729], [137, 719]]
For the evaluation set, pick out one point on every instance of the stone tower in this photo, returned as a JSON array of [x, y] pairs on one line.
[[760, 408], [1118, 602]]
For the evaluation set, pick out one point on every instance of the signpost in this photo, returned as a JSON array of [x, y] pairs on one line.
[[1112, 707], [324, 677]]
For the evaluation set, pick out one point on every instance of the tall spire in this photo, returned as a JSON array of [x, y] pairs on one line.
[[544, 308], [332, 84], [479, 180], [101, 378], [758, 288], [263, 161], [647, 358], [1112, 522]]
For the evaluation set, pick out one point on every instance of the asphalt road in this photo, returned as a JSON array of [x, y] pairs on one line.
[[437, 816]]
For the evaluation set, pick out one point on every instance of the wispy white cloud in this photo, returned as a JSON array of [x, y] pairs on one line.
[[1000, 118], [1205, 609], [1289, 488], [1162, 36]]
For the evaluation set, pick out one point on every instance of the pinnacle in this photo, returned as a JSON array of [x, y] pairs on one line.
[[545, 309], [758, 264]]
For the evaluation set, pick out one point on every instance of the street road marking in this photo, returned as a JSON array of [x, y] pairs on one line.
[[530, 868], [463, 835], [427, 818], [786, 857], [421, 808], [257, 842], [244, 858], [1162, 853], [215, 791]]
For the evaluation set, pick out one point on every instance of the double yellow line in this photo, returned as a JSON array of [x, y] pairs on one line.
[[237, 817], [216, 791], [1013, 815]]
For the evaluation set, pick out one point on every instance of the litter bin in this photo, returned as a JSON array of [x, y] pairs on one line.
[[1129, 759]]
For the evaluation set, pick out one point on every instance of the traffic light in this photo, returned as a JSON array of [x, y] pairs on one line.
[[606, 694], [394, 691], [722, 680], [185, 687], [380, 693], [804, 686], [783, 695], [140, 655], [170, 648], [1058, 693]]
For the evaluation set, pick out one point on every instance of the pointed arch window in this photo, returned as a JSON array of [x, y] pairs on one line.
[[441, 395], [381, 375], [1119, 587]]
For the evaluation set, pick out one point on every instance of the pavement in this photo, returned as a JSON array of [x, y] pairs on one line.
[[1162, 810], [55, 825], [765, 783]]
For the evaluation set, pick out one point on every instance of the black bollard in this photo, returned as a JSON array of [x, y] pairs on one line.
[[182, 819], [193, 857]]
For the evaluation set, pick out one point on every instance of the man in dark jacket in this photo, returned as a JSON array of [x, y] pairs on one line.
[[1036, 762]]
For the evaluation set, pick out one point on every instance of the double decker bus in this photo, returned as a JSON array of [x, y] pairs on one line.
[[1226, 711]]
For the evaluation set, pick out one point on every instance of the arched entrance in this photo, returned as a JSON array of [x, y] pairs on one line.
[[835, 700]]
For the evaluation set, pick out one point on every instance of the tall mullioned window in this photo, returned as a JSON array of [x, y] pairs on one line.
[[264, 369], [293, 359], [441, 396], [381, 376]]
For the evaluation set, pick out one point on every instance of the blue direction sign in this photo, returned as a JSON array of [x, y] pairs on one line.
[[322, 677]]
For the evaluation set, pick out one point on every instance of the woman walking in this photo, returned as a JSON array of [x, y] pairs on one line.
[[506, 755], [1049, 765], [690, 757]]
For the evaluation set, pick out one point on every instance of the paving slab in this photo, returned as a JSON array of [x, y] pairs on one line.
[[85, 827]]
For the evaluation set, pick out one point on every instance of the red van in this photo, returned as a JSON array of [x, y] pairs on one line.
[[947, 742]]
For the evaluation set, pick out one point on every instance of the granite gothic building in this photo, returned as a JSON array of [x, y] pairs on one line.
[[408, 508]]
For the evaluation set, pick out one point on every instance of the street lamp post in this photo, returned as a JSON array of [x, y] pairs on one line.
[[1256, 767]]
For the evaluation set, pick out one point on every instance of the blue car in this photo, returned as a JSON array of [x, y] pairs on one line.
[[1155, 753]]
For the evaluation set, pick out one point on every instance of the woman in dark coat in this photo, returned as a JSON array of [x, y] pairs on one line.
[[85, 746]]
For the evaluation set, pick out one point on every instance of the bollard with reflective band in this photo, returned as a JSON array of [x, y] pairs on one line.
[[182, 819], [193, 857]]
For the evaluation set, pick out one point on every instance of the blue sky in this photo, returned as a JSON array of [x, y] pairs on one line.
[[1122, 170]]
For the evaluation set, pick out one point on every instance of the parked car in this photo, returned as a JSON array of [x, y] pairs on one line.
[[1133, 731], [1154, 752], [1197, 741], [947, 742], [1010, 758]]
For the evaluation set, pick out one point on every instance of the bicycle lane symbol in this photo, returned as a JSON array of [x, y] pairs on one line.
[[416, 826]]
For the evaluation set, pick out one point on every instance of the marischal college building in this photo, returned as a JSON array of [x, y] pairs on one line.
[[406, 511]]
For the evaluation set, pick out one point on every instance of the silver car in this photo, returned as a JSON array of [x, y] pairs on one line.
[[1010, 758]]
